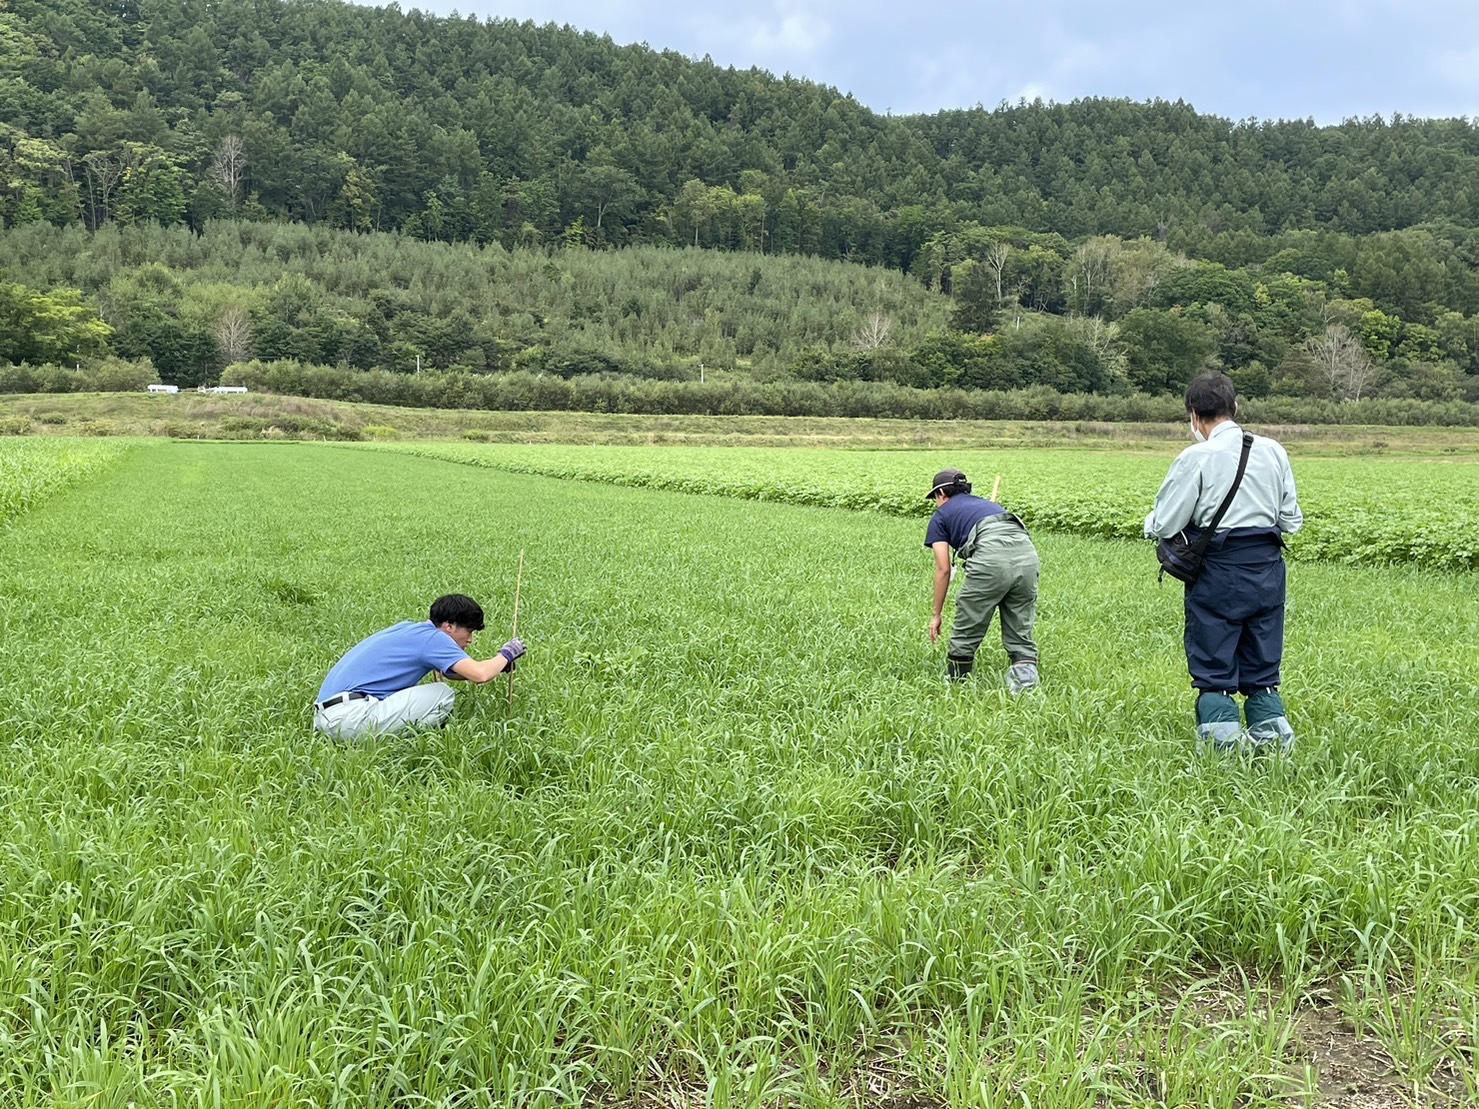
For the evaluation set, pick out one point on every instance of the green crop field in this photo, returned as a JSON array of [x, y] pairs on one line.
[[733, 841], [1424, 512], [33, 469]]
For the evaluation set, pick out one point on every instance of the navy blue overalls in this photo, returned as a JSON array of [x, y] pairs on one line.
[[1235, 613]]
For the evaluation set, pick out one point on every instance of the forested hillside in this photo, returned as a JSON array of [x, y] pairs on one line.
[[280, 291], [1099, 246]]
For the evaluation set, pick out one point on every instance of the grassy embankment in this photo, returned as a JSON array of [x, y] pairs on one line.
[[265, 416]]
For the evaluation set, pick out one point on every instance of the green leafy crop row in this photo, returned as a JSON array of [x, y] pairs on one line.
[[1368, 512], [33, 469]]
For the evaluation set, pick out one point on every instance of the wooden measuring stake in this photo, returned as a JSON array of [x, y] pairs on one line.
[[518, 587], [996, 487]]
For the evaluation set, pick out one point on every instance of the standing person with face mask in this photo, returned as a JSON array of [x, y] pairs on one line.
[[1234, 632]]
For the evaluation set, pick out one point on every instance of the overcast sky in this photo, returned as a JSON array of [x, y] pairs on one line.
[[1325, 59]]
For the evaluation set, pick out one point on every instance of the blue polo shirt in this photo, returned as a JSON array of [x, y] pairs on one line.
[[954, 520], [391, 660]]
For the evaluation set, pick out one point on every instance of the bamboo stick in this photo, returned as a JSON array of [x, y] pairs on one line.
[[518, 588]]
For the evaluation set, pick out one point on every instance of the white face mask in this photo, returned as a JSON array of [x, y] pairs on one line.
[[1196, 432]]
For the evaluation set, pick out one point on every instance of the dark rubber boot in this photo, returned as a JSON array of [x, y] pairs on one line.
[[1267, 724], [958, 669], [1218, 722]]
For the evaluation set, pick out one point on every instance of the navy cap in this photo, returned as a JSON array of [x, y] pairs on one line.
[[946, 478]]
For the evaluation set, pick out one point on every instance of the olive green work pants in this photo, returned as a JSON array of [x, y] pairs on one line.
[[1001, 570]]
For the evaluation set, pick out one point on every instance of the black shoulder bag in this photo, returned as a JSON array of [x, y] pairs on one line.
[[1183, 560]]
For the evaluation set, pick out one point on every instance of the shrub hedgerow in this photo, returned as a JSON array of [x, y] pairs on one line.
[[523, 391], [533, 392], [111, 375]]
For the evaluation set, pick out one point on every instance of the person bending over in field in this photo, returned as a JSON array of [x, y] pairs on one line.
[[1001, 568], [373, 689], [1234, 633]]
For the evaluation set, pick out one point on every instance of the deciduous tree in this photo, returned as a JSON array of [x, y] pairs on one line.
[[1344, 363], [229, 166], [55, 326]]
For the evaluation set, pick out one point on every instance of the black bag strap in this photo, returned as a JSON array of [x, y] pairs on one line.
[[1206, 537]]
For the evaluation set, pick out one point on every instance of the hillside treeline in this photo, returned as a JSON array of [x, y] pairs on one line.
[[1108, 316], [452, 128], [1101, 246]]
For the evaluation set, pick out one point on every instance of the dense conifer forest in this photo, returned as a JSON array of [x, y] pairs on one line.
[[204, 183]]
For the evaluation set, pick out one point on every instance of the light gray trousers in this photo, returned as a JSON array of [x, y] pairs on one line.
[[421, 706]]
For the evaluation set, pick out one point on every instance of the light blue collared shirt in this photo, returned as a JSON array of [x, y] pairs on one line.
[[1202, 474]]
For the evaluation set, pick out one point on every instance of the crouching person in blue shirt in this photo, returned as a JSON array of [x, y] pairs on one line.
[[1234, 633], [1001, 569], [373, 689]]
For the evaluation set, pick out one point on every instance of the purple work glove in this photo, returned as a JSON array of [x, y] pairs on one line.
[[512, 651]]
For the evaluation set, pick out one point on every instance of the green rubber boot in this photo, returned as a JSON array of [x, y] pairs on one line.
[[1267, 724], [1218, 722]]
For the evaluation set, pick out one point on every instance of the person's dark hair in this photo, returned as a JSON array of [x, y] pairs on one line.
[[1212, 396], [956, 488], [456, 609]]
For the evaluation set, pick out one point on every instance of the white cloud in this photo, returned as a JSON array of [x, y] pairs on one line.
[[772, 36], [1078, 58], [1033, 90], [799, 34], [1460, 67]]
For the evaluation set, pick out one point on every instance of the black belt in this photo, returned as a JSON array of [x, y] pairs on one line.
[[339, 699]]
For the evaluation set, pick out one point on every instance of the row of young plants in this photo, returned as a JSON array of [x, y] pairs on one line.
[[1357, 511], [33, 469], [732, 842]]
